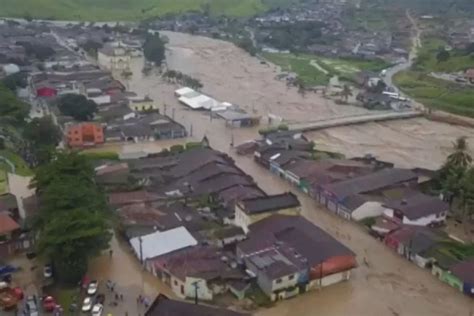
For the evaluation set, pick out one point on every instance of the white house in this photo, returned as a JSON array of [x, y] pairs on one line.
[[418, 209]]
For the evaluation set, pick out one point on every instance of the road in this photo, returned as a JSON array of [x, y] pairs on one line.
[[416, 44]]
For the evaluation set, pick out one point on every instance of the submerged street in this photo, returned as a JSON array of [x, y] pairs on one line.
[[386, 285]]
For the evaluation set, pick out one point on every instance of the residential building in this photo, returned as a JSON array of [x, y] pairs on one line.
[[289, 253], [163, 306], [333, 194], [197, 271], [253, 210], [160, 243], [84, 135], [418, 209], [7, 227], [142, 104], [464, 272], [114, 58]]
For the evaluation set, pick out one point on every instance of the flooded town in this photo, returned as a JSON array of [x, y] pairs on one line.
[[197, 166]]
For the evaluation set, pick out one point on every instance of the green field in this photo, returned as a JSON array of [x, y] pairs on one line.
[[21, 168], [315, 70], [125, 10], [426, 61], [436, 93]]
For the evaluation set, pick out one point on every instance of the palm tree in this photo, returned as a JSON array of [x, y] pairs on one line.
[[460, 156], [466, 196], [346, 92]]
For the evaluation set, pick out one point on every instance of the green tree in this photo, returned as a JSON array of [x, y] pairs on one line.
[[467, 194], [442, 56], [72, 223], [16, 80], [77, 106], [11, 108], [460, 156], [42, 132], [154, 49]]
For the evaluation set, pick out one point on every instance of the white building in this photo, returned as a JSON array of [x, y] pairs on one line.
[[418, 209], [114, 58]]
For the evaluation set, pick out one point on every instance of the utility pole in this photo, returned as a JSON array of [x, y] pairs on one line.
[[196, 287]]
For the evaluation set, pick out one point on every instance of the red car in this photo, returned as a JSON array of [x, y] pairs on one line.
[[49, 304]]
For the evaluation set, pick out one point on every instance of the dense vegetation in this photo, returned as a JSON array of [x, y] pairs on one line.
[[72, 223], [126, 10], [77, 106], [154, 49]]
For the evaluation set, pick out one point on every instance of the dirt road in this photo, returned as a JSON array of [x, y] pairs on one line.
[[390, 285]]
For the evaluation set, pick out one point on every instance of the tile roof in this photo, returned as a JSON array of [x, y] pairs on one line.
[[464, 271], [370, 182], [270, 203], [418, 205], [7, 224], [308, 240]]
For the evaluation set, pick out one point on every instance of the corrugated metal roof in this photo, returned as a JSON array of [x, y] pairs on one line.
[[160, 243]]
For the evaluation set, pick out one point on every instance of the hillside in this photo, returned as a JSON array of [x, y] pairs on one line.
[[126, 10]]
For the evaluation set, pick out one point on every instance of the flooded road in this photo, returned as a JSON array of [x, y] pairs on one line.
[[389, 285]]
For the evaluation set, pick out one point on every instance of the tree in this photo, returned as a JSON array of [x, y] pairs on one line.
[[346, 92], [70, 202], [39, 51], [16, 80], [91, 47], [77, 106], [442, 56], [11, 108], [154, 49], [42, 132], [467, 194], [247, 45], [460, 156]]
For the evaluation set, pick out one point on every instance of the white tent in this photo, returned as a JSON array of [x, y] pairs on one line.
[[161, 243]]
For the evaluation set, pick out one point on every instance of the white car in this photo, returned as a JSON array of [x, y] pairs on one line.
[[87, 304], [92, 288], [47, 271], [97, 310]]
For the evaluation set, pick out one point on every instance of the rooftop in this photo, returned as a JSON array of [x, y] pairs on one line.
[[7, 224], [270, 203], [160, 243], [418, 205]]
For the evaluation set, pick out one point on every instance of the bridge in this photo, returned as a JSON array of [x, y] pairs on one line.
[[353, 120]]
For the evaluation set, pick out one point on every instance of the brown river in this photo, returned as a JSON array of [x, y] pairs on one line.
[[388, 285]]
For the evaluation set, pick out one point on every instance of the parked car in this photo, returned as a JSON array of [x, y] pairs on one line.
[[97, 310], [87, 304], [48, 271], [31, 306], [92, 288]]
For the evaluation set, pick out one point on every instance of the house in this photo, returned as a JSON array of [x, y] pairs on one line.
[[7, 227], [415, 243], [361, 207], [163, 306], [114, 58], [197, 271], [418, 209], [46, 92], [333, 194], [464, 272], [118, 199], [84, 135], [142, 104], [469, 75], [235, 118], [253, 210], [160, 243], [149, 127], [113, 174], [288, 254]]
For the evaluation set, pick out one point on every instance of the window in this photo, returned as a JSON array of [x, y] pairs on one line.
[[278, 281], [182, 289], [175, 282], [291, 277]]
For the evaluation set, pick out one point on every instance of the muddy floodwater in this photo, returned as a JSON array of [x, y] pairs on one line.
[[388, 285]]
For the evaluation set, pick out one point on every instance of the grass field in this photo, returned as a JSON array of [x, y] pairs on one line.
[[426, 61], [124, 10], [436, 93], [21, 168], [315, 70]]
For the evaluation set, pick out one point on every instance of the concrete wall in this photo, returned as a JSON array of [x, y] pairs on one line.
[[423, 221], [368, 209]]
